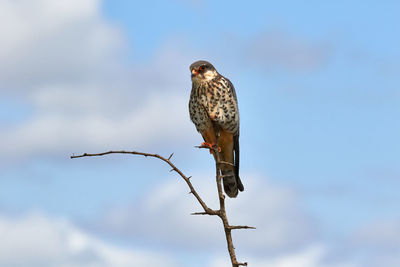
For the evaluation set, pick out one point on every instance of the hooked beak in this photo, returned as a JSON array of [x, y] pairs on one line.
[[194, 72]]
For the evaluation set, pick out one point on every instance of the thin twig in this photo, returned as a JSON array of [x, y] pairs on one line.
[[221, 213], [232, 227], [211, 212]]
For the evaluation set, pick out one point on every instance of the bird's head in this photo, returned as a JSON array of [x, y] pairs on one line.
[[202, 71]]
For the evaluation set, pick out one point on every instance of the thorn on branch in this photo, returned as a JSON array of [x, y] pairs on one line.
[[170, 156]]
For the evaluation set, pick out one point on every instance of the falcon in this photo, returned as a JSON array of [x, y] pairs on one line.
[[213, 105]]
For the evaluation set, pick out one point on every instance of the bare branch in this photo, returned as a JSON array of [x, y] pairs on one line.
[[232, 227], [221, 213]]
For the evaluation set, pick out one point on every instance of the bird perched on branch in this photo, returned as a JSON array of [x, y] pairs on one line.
[[213, 106]]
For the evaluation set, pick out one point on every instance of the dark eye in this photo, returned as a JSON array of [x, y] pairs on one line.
[[202, 67]]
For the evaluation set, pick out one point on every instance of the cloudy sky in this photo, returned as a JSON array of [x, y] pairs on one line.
[[319, 91]]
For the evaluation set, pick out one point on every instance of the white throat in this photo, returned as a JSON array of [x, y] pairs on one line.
[[209, 75]]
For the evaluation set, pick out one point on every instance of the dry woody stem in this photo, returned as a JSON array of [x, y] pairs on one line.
[[221, 212]]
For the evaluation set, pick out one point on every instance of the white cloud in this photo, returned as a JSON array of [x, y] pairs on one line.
[[55, 130], [383, 234], [164, 215], [52, 41], [378, 243], [63, 60], [37, 240]]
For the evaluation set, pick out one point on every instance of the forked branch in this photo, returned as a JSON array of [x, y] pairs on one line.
[[221, 213]]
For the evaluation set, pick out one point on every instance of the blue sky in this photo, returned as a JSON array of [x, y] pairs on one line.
[[318, 91]]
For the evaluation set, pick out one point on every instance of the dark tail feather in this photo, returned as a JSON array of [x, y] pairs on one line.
[[230, 183], [236, 154], [239, 184], [231, 179]]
